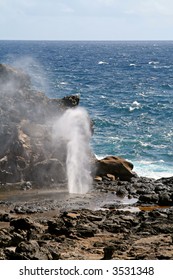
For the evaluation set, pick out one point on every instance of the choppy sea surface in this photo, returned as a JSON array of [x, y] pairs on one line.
[[126, 87]]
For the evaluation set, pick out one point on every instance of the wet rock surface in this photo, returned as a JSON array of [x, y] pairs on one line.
[[88, 234], [116, 220]]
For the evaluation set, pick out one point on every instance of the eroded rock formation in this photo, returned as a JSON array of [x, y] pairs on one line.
[[116, 166], [27, 151]]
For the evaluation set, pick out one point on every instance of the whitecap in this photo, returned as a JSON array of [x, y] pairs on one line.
[[132, 64], [170, 134], [162, 66], [153, 62], [146, 162], [143, 144], [102, 62], [63, 83], [135, 105], [157, 67], [131, 109], [142, 94]]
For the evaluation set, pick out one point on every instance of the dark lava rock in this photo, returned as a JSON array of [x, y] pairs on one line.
[[58, 227], [4, 217], [26, 143], [109, 234], [85, 231], [5, 238], [149, 198], [165, 199], [22, 224], [166, 181], [108, 252], [32, 251]]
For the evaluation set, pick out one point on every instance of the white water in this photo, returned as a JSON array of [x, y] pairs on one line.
[[73, 127], [155, 170]]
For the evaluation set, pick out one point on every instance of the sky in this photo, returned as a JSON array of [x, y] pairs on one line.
[[86, 20]]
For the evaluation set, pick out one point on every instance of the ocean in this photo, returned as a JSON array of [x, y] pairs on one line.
[[126, 87]]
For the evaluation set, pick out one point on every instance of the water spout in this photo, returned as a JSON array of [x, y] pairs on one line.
[[73, 128]]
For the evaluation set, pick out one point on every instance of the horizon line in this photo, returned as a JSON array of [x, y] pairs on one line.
[[90, 40]]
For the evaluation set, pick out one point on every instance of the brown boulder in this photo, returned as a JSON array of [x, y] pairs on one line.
[[116, 166]]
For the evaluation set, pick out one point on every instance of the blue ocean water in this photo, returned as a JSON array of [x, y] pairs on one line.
[[127, 88]]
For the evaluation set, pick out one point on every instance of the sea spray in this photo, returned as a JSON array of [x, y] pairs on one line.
[[73, 129]]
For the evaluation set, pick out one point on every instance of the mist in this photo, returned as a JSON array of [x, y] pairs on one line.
[[35, 70]]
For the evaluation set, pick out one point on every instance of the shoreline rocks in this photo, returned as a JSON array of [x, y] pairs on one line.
[[86, 234]]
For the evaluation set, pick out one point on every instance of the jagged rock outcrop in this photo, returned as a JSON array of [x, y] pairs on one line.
[[26, 117]]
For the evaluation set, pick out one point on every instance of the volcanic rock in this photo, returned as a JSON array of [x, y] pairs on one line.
[[27, 151], [23, 223], [116, 166]]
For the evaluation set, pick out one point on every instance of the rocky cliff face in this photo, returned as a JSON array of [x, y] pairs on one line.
[[27, 151]]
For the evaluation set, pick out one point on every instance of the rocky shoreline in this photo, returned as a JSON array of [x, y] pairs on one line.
[[85, 234], [123, 216], [98, 225]]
